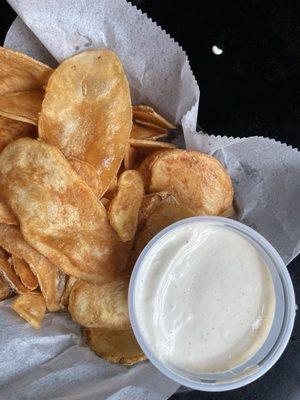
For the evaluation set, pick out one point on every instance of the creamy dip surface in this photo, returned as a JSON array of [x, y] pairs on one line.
[[204, 298]]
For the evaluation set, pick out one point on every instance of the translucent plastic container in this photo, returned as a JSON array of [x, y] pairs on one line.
[[279, 334]]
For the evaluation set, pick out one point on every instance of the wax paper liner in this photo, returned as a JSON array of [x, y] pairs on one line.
[[53, 363]]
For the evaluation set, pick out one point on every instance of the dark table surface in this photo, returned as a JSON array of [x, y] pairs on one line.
[[251, 89]]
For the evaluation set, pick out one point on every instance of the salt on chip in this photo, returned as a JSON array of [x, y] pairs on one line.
[[100, 306], [5, 289], [11, 130], [87, 112], [21, 85], [8, 273], [195, 179], [124, 207], [146, 114], [24, 272], [6, 216], [167, 212], [88, 174], [71, 227], [50, 279], [117, 346], [30, 306]]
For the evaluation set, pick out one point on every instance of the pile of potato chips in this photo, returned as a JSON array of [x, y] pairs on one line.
[[84, 185]]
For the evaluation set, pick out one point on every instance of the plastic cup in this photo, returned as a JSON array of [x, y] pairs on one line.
[[276, 341]]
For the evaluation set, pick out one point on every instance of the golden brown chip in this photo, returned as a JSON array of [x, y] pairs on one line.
[[149, 204], [149, 146], [229, 212], [195, 179], [59, 214], [87, 112], [21, 85], [146, 114], [30, 306], [144, 132], [105, 202], [9, 275], [115, 346], [24, 272], [100, 306], [64, 301], [129, 157], [166, 213], [124, 207], [88, 174], [50, 279], [5, 289], [145, 167], [112, 188], [11, 130], [6, 215]]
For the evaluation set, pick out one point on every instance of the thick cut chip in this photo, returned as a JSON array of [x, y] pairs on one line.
[[6, 216], [9, 275], [21, 85], [197, 180], [11, 130], [117, 346], [145, 167], [87, 112], [88, 174], [50, 279], [59, 214], [146, 114], [144, 132], [100, 306], [30, 306], [66, 294], [5, 289], [112, 188], [24, 272], [124, 207], [166, 213]]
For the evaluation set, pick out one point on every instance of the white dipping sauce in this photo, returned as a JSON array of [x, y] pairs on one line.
[[204, 298]]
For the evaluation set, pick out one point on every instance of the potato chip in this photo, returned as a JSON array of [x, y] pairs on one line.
[[149, 146], [144, 132], [88, 174], [112, 188], [166, 213], [5, 289], [6, 215], [21, 85], [24, 273], [100, 306], [129, 157], [59, 214], [229, 212], [87, 112], [124, 207], [117, 346], [8, 273], [11, 130], [105, 202], [146, 114], [149, 204], [50, 279], [64, 301], [195, 179], [145, 167], [30, 306]]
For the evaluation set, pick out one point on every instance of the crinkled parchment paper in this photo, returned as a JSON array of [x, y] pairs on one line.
[[53, 363]]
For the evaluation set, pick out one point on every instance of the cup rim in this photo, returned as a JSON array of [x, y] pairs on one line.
[[289, 303]]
